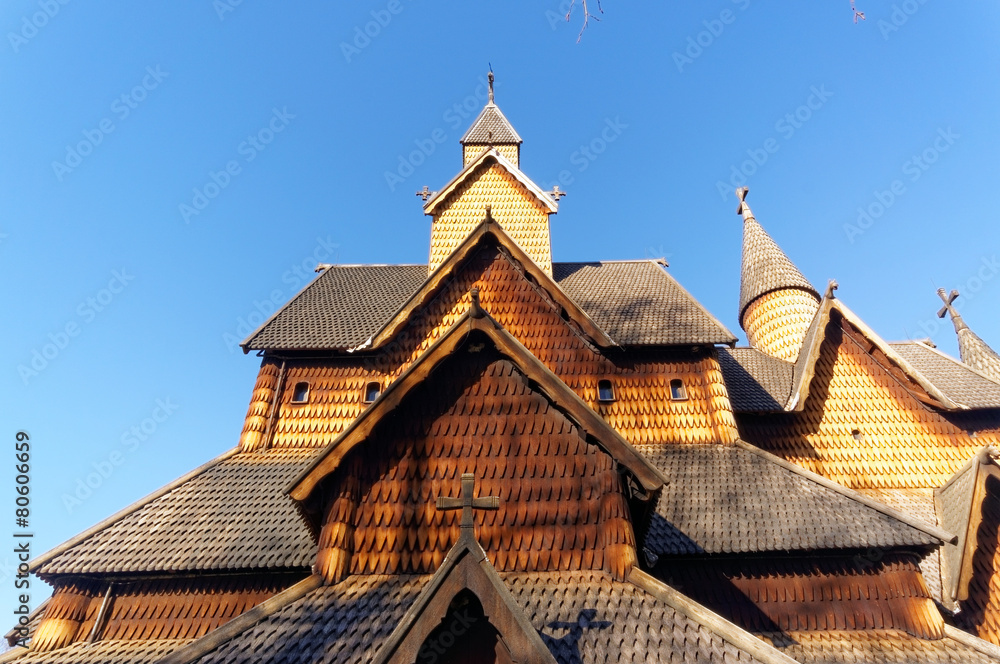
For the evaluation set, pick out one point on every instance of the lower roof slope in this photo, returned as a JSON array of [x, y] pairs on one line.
[[231, 514], [582, 617], [103, 652], [736, 499]]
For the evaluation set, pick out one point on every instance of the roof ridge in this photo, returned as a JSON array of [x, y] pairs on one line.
[[956, 360], [134, 507], [491, 153], [913, 522]]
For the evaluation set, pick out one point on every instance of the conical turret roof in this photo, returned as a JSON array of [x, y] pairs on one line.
[[766, 268]]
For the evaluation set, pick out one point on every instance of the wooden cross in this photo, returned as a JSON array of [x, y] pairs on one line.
[[556, 193], [947, 298], [425, 193], [467, 503]]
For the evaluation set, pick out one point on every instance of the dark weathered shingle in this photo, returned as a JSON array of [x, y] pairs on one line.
[[234, 515], [634, 302], [583, 618], [727, 499], [952, 377], [756, 382], [766, 268], [639, 303]]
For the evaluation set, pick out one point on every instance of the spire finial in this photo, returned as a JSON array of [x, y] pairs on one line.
[[949, 307], [490, 78], [743, 208]]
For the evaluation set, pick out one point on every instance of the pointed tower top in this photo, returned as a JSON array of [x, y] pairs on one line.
[[974, 351], [766, 268], [491, 129]]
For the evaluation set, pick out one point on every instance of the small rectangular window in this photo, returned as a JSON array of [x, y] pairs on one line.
[[605, 390], [300, 393], [677, 390], [372, 390]]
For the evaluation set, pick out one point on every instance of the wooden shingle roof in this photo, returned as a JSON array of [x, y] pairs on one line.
[[766, 268], [738, 499], [231, 514], [637, 303], [582, 617], [962, 383]]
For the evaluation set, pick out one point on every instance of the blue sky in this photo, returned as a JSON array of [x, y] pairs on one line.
[[292, 137]]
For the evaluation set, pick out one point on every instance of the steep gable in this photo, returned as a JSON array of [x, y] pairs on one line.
[[477, 401]]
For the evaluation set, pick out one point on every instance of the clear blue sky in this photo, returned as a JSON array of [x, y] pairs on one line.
[[695, 90]]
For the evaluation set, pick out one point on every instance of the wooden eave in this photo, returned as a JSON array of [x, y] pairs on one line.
[[564, 398], [486, 231], [805, 366], [433, 204], [465, 567]]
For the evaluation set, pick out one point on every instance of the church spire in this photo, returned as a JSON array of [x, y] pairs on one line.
[[491, 129], [974, 351], [777, 303]]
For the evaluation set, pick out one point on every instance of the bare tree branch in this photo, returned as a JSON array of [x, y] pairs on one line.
[[857, 14], [586, 15]]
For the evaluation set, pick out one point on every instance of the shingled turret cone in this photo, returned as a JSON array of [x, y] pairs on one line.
[[777, 303], [974, 351]]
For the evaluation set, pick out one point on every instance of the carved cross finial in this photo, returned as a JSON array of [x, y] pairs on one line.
[[743, 208], [556, 193], [425, 193], [489, 213], [490, 77], [949, 307], [830, 287], [467, 503]]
